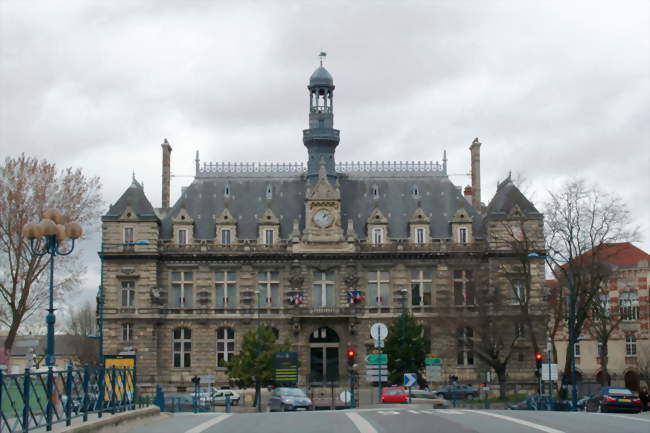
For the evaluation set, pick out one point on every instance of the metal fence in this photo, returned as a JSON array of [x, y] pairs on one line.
[[40, 399]]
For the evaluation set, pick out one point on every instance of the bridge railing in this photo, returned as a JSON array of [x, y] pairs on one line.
[[41, 399]]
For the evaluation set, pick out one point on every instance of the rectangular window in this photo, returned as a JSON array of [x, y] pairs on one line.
[[630, 306], [225, 236], [462, 235], [377, 236], [323, 289], [225, 346], [518, 292], [421, 284], [182, 237], [182, 286], [520, 330], [127, 332], [226, 287], [377, 293], [182, 347], [268, 237], [464, 293], [419, 235], [128, 293], [268, 283], [128, 235], [465, 346], [630, 345], [576, 350]]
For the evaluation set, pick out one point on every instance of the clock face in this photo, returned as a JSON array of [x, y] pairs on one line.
[[323, 218]]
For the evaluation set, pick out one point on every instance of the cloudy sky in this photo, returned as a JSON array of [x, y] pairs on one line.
[[552, 89]]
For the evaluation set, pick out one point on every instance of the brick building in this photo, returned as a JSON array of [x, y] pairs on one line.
[[626, 299], [320, 251]]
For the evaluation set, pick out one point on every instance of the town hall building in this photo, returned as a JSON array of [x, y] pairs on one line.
[[319, 251]]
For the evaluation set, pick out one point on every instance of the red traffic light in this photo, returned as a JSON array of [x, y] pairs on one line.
[[539, 356], [351, 354]]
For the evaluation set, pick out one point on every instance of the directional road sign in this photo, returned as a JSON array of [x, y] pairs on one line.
[[410, 379], [432, 361], [377, 358], [206, 378], [545, 372], [376, 371]]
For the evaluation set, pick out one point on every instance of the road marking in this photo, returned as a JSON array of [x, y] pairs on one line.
[[206, 425], [448, 411], [626, 417], [519, 421], [360, 423]]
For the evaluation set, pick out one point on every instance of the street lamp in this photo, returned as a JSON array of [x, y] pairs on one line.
[[258, 388], [403, 292], [53, 233]]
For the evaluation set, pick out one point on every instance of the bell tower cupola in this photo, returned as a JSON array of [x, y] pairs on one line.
[[321, 138]]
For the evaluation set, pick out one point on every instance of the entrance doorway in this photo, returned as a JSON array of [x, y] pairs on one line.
[[323, 356]]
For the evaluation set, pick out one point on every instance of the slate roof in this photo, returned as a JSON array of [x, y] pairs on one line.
[[63, 344], [505, 199], [135, 198], [321, 77], [205, 198]]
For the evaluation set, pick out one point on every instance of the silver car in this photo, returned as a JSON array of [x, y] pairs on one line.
[[289, 399]]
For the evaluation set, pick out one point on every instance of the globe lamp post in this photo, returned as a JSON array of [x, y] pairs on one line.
[[46, 238]]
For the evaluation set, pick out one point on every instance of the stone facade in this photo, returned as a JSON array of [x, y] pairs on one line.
[[319, 254]]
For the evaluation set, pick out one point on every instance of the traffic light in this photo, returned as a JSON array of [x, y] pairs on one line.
[[196, 380], [538, 360], [352, 354]]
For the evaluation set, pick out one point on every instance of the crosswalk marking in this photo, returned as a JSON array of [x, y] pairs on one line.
[[206, 425]]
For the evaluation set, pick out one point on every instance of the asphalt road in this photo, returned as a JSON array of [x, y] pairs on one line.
[[401, 419]]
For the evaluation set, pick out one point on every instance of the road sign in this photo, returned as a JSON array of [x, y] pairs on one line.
[[380, 358], [376, 371], [384, 378], [206, 378], [378, 331], [285, 367], [434, 372], [432, 361], [545, 372], [410, 379], [345, 397]]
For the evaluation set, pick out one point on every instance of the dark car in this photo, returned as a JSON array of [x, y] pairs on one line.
[[614, 399], [457, 392], [289, 399]]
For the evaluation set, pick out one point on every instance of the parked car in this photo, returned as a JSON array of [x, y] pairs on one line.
[[394, 394], [289, 399], [219, 397], [614, 399], [457, 392]]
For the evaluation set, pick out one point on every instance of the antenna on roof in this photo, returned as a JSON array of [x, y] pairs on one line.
[[322, 56]]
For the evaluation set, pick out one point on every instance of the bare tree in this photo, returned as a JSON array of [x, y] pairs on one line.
[[27, 187], [644, 365], [580, 220], [80, 323]]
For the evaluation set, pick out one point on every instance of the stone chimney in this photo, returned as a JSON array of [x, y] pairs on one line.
[[166, 173], [475, 150]]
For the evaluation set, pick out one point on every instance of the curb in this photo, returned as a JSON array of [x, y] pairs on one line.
[[110, 423]]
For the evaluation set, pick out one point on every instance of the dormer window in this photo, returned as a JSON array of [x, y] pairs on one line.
[[182, 237], [419, 235], [377, 236], [226, 191], [269, 192], [462, 235], [225, 236], [268, 237], [128, 235]]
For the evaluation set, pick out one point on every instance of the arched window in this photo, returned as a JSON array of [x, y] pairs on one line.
[[225, 346], [182, 342]]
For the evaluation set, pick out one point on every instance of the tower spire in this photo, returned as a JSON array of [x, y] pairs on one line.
[[322, 56]]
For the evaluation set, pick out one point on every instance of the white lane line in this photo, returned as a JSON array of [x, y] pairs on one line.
[[519, 421], [360, 423], [633, 418], [448, 411], [206, 425]]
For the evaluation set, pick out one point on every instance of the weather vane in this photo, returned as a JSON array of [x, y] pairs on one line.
[[322, 56]]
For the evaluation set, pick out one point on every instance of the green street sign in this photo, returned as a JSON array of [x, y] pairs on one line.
[[380, 358], [433, 361]]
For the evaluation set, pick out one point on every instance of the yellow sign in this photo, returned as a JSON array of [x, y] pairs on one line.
[[124, 371]]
